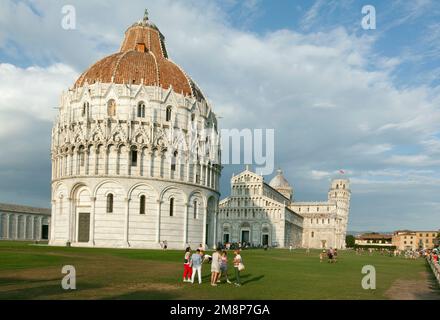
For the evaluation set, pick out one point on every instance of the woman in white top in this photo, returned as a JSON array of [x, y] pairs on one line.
[[237, 262]]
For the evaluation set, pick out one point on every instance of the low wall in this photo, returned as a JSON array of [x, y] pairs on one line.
[[435, 269]]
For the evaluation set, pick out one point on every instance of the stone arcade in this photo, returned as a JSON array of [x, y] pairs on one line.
[[119, 177], [23, 223]]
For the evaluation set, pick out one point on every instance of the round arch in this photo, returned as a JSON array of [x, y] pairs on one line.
[[142, 184]]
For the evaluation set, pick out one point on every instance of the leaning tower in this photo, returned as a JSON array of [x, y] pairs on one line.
[[340, 193], [135, 157]]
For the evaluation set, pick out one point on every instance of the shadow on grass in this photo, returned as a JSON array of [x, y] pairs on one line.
[[43, 291], [254, 279], [13, 281]]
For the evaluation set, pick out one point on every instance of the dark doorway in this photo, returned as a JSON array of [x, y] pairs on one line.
[[207, 233], [45, 232], [84, 227], [245, 236], [265, 239], [226, 238]]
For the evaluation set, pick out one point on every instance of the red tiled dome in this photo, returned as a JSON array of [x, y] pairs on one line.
[[142, 59]]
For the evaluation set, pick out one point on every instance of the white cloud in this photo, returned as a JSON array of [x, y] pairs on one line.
[[34, 91]]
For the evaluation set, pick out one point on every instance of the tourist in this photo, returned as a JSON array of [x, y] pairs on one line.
[[215, 267], [238, 266], [165, 244], [321, 256], [335, 255], [290, 247], [187, 270], [330, 255], [224, 267], [435, 258], [196, 264]]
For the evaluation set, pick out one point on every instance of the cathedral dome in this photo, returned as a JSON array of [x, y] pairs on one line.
[[280, 183], [142, 59]]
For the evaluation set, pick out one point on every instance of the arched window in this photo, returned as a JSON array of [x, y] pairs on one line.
[[193, 117], [134, 157], [110, 203], [174, 161], [337, 186], [141, 110], [171, 207], [169, 113], [142, 205], [85, 109], [195, 209], [313, 234], [111, 108]]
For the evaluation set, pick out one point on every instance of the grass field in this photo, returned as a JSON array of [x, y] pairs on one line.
[[34, 272]]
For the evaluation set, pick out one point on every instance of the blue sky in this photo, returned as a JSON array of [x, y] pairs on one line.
[[338, 96]]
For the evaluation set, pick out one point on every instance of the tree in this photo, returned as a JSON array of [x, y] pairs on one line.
[[349, 241]]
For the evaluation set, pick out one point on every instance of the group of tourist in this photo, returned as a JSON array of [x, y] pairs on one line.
[[332, 255], [219, 265], [433, 255]]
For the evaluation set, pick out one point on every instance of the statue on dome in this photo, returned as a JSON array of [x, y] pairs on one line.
[[145, 15]]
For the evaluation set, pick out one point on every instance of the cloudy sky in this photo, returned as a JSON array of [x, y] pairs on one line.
[[338, 96]]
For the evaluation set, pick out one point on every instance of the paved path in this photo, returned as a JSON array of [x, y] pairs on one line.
[[424, 289]]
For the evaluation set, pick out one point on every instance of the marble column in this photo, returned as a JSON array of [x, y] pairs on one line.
[[127, 222], [129, 167], [159, 205], [215, 229], [86, 161], [185, 224], [17, 235], [92, 221]]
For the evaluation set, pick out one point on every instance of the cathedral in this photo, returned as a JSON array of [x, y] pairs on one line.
[[262, 214], [135, 160]]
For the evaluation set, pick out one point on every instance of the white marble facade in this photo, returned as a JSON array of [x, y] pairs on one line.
[[128, 157], [24, 223], [259, 213]]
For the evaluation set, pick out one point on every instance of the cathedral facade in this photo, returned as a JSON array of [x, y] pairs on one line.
[[266, 214], [135, 160]]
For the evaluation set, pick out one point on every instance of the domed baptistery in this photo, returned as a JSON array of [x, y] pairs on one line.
[[135, 153]]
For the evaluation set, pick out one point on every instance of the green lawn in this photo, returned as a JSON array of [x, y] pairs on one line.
[[34, 272]]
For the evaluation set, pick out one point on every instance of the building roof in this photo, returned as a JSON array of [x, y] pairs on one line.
[[374, 236], [142, 59], [13, 208], [279, 181]]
